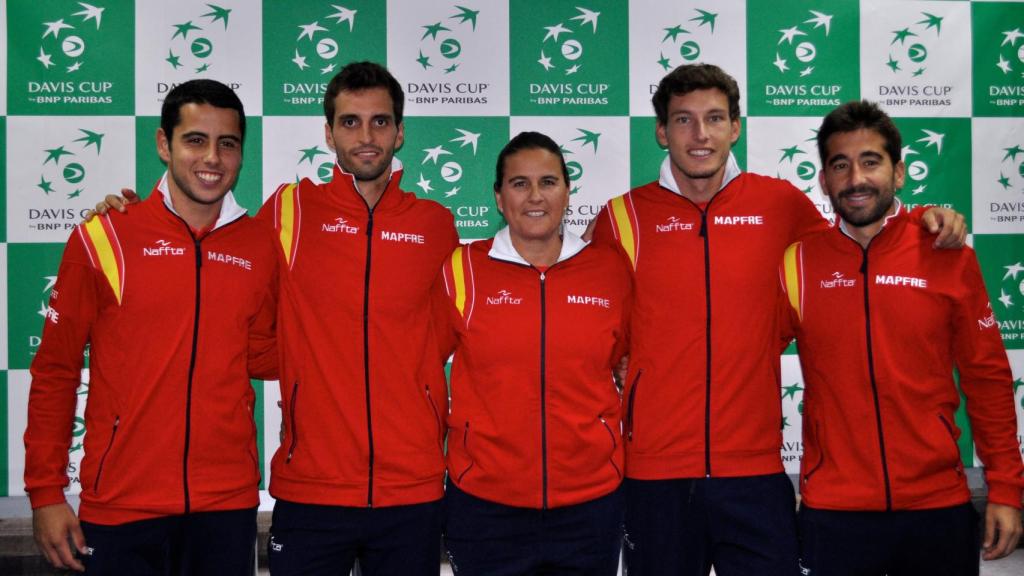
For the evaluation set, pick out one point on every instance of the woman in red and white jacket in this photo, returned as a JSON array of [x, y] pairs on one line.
[[537, 321]]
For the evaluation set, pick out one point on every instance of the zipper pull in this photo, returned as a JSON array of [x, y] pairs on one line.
[[703, 224]]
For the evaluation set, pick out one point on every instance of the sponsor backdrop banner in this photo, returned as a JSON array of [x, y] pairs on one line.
[[82, 82]]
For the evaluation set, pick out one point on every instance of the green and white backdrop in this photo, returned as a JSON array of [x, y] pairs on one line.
[[82, 85]]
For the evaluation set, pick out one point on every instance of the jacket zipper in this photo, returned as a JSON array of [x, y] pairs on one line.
[[437, 417], [103, 460], [465, 445], [707, 335], [366, 353], [197, 244], [874, 382], [821, 454], [291, 420], [614, 445], [543, 393], [952, 436], [629, 407]]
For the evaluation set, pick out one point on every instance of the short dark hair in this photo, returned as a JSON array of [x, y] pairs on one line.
[[358, 76], [689, 77], [855, 115], [200, 91], [528, 141]]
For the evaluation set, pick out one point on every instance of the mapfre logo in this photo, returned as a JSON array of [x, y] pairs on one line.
[[674, 225], [340, 226], [163, 248], [838, 281], [503, 297], [589, 300]]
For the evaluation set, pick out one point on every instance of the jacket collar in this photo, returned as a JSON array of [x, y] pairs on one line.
[[348, 188], [668, 181], [502, 248], [899, 211], [230, 210]]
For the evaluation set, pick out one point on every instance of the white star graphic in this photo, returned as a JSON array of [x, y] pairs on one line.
[[1003, 64], [806, 71], [344, 14], [424, 185], [919, 190], [300, 61], [467, 138], [780, 63], [74, 67], [1012, 269], [1010, 37], [555, 31], [44, 58], [55, 28], [572, 70], [587, 16], [789, 33], [434, 153], [545, 61], [310, 30], [452, 192], [932, 138], [327, 69], [51, 281], [90, 13], [1005, 298], [907, 151], [820, 20]]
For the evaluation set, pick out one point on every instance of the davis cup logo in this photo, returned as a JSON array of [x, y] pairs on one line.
[[575, 151], [1011, 56], [317, 46], [796, 52], [1011, 171], [1011, 291], [917, 161], [908, 50], [681, 45], [312, 157], [799, 164], [64, 167], [562, 50], [440, 48], [441, 168], [191, 48], [64, 41]]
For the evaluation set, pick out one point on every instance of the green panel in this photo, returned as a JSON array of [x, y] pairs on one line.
[[998, 58], [937, 154], [1001, 257], [31, 274]]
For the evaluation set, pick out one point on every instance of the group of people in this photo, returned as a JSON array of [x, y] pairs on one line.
[[543, 458]]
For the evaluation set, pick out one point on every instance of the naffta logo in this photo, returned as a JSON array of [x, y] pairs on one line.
[[440, 48], [1011, 170], [673, 225], [504, 297], [324, 170], [1010, 56], [444, 166], [317, 47], [796, 51], [579, 145], [562, 48], [163, 248], [682, 45], [799, 164], [839, 281], [67, 173], [1016, 287], [64, 41], [340, 226], [908, 50], [191, 46]]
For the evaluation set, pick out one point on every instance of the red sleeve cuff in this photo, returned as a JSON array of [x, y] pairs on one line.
[[46, 496]]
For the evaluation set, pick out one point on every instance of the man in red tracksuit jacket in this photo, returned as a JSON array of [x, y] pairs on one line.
[[882, 320], [360, 470], [704, 477], [190, 278]]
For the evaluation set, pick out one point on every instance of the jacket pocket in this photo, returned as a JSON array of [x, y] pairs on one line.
[[615, 444], [821, 453], [103, 459], [956, 447], [437, 419], [469, 455], [293, 427], [631, 404]]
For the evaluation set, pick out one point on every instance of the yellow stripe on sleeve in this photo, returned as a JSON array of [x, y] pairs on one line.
[[105, 253], [625, 227], [287, 234], [459, 279], [791, 266]]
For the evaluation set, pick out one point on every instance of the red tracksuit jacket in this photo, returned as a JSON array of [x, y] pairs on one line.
[[171, 320], [880, 332], [535, 412], [363, 393]]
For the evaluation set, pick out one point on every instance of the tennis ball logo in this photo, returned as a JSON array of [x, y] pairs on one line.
[[73, 173], [575, 170], [572, 50], [917, 53], [451, 172], [806, 171], [805, 52], [327, 48], [689, 50], [450, 48], [72, 46], [917, 170], [201, 48], [325, 171]]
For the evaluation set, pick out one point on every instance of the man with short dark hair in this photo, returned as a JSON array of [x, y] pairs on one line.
[[882, 480], [193, 279], [360, 471], [704, 477]]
